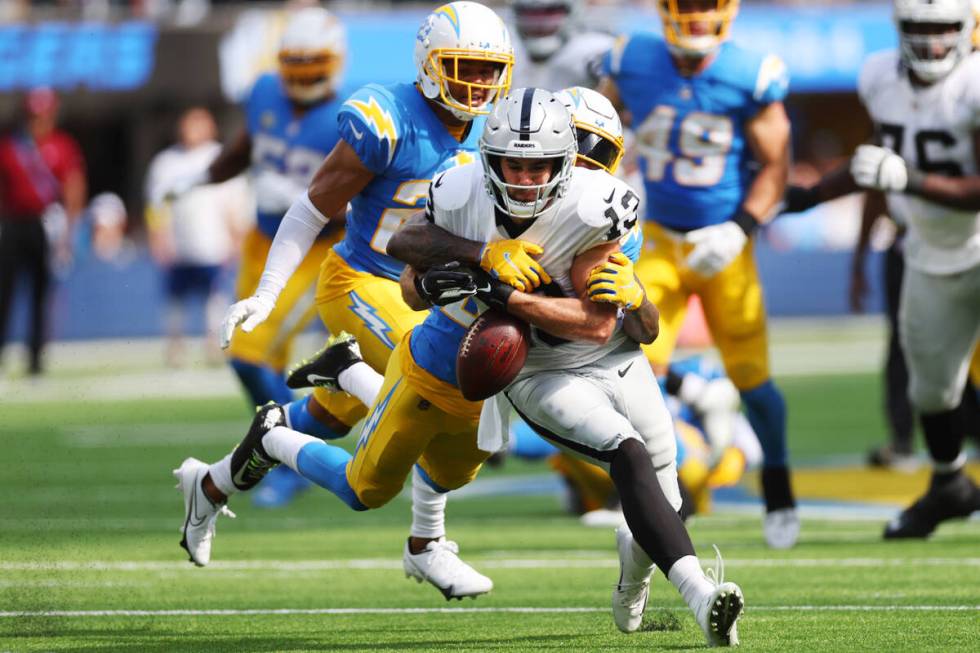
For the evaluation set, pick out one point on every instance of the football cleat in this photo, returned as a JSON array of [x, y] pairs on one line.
[[629, 598], [957, 497], [721, 608], [322, 369], [250, 462], [781, 528], [200, 513], [441, 566]]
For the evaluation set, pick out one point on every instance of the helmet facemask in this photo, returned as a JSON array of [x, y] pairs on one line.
[[597, 149], [932, 50], [696, 28], [309, 75], [443, 65]]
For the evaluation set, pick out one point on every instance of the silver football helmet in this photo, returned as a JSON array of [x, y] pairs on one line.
[[935, 35], [530, 123]]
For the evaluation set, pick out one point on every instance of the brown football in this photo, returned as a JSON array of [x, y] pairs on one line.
[[491, 354]]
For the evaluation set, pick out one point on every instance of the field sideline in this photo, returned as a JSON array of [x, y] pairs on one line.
[[89, 558]]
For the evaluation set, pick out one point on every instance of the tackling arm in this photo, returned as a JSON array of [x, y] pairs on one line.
[[421, 244], [572, 318]]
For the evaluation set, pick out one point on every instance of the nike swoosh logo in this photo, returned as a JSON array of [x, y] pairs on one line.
[[358, 135], [438, 182], [316, 379], [194, 520], [608, 200], [626, 369]]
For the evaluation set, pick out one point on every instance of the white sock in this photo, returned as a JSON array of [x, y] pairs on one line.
[[428, 509], [362, 381], [688, 577], [284, 444], [221, 476]]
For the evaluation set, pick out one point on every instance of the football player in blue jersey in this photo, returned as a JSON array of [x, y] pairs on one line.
[[291, 125], [713, 140], [394, 140]]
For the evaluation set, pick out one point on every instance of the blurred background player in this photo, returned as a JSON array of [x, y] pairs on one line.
[[554, 48], [925, 105], [197, 234], [41, 169], [291, 125], [713, 140], [394, 140]]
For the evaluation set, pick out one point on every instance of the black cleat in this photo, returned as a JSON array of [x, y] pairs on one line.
[[250, 462], [954, 498], [322, 369]]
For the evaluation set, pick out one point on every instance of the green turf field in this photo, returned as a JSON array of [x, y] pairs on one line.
[[89, 559]]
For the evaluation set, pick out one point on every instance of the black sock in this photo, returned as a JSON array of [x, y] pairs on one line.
[[776, 489], [944, 439], [655, 525]]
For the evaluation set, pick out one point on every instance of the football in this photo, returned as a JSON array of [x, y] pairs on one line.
[[491, 354]]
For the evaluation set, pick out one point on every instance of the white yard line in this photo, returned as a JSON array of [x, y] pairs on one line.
[[486, 563], [501, 610]]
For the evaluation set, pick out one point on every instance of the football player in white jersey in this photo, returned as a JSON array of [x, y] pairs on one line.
[[585, 385], [924, 100], [554, 49]]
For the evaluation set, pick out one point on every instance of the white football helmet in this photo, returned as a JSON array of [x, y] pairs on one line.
[[530, 123], [695, 28], [544, 25], [311, 55], [928, 49], [462, 31], [597, 126]]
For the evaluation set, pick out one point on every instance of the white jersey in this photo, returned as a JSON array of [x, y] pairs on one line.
[[201, 220], [932, 128], [571, 66], [596, 209]]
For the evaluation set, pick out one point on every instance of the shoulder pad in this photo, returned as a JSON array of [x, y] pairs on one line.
[[453, 188], [877, 68], [598, 191]]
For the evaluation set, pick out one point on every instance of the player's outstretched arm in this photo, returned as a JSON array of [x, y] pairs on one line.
[[877, 168], [341, 176], [234, 159], [768, 134]]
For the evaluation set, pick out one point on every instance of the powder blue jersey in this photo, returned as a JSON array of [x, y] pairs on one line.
[[399, 138], [285, 145], [690, 130]]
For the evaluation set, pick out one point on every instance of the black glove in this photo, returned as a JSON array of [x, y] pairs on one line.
[[445, 284], [799, 199], [492, 291]]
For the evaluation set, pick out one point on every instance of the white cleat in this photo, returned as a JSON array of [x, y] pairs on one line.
[[721, 608], [200, 513], [781, 528], [441, 566], [629, 598]]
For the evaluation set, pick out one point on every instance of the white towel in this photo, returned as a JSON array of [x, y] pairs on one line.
[[494, 430]]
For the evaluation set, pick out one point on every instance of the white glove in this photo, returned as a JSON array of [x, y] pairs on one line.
[[249, 313], [715, 247], [878, 168], [717, 403]]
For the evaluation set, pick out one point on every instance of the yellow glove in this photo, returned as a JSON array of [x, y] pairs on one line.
[[613, 282], [510, 261]]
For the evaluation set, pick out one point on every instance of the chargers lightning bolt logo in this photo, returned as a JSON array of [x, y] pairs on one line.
[[449, 12], [372, 421], [370, 317], [379, 120]]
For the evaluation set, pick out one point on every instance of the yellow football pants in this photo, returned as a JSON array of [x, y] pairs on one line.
[[411, 423], [372, 310], [733, 305]]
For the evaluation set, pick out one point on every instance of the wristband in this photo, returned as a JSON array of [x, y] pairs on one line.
[[746, 221]]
